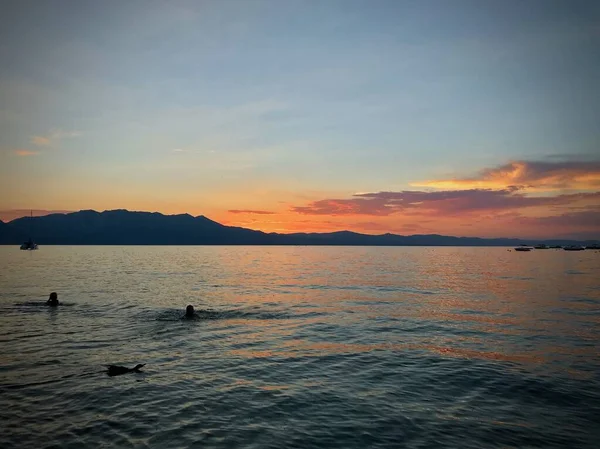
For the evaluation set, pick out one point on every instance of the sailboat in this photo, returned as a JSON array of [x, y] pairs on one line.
[[29, 244]]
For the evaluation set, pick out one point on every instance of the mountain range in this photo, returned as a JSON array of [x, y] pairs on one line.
[[122, 227]]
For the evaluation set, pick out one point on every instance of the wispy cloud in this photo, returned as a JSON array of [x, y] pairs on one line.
[[528, 175], [25, 153], [53, 137], [250, 211]]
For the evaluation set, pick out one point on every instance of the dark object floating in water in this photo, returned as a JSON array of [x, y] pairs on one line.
[[29, 245], [115, 370], [522, 248]]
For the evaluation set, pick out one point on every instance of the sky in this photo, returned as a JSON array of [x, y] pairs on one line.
[[468, 118]]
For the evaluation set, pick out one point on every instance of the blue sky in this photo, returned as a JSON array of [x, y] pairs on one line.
[[206, 106]]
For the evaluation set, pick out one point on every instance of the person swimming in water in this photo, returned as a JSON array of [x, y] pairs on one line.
[[189, 312], [53, 299]]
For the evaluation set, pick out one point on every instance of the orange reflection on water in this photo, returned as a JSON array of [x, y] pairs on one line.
[[274, 387], [483, 355], [303, 348], [446, 316]]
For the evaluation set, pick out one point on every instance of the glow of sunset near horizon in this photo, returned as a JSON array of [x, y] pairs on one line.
[[462, 118]]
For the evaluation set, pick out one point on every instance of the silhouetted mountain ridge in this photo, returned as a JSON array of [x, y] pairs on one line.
[[122, 227]]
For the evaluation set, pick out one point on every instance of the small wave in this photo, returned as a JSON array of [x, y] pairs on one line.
[[178, 315], [32, 306], [21, 386], [517, 278], [366, 288], [230, 314], [40, 304], [592, 301], [27, 385]]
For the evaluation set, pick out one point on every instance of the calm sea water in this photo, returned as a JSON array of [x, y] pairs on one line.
[[301, 347]]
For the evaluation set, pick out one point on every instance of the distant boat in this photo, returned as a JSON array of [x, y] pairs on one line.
[[541, 246], [523, 248], [593, 246], [574, 248], [29, 244]]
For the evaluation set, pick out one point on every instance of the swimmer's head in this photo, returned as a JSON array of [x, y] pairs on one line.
[[53, 299], [189, 310]]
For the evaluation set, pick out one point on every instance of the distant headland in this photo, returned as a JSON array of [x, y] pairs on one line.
[[122, 227]]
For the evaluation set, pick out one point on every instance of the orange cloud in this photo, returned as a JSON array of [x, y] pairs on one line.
[[40, 140], [529, 176], [53, 137], [26, 153]]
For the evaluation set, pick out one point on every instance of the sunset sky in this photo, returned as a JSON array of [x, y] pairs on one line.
[[470, 118]]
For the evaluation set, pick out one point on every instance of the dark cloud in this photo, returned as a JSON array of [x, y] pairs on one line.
[[581, 219], [441, 202]]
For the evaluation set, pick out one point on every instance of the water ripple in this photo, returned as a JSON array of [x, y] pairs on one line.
[[299, 348]]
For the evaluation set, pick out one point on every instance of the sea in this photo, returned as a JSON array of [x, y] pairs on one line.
[[300, 347]]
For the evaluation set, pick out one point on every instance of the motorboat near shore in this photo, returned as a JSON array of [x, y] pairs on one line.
[[574, 248], [523, 248], [527, 248]]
